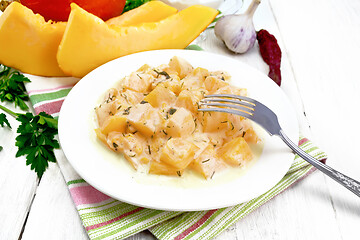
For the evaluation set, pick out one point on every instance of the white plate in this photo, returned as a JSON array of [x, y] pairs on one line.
[[112, 175]]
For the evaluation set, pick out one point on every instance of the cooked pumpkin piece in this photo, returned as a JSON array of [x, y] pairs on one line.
[[131, 145], [105, 110], [130, 97], [173, 84], [180, 123], [189, 100], [215, 121], [162, 168], [152, 118], [212, 84], [178, 153], [116, 123], [236, 152], [144, 118], [207, 163], [181, 66], [160, 96], [195, 80], [138, 82]]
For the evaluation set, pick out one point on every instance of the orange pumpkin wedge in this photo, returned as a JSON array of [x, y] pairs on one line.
[[28, 43], [152, 11], [89, 42]]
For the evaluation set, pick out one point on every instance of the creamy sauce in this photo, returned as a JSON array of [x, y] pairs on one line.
[[210, 132], [189, 179]]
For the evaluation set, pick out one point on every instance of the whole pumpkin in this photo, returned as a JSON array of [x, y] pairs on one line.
[[59, 10]]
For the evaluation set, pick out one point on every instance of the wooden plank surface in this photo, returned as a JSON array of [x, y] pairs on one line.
[[17, 184], [296, 213], [53, 214], [323, 43]]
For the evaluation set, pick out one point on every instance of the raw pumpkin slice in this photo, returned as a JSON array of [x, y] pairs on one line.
[[152, 11], [28, 43], [89, 42]]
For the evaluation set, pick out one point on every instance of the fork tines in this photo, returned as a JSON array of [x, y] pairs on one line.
[[228, 103]]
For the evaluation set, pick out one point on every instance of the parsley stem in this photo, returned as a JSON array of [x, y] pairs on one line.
[[5, 109]]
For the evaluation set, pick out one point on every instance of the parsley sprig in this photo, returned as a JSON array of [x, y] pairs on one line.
[[36, 139], [4, 121], [12, 87]]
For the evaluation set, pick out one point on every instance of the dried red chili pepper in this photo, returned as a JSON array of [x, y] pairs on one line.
[[271, 54]]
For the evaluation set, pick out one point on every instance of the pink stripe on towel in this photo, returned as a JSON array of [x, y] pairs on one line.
[[37, 91], [193, 227], [87, 195], [303, 140], [49, 108], [114, 219]]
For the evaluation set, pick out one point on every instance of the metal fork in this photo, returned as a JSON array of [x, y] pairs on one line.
[[259, 113]]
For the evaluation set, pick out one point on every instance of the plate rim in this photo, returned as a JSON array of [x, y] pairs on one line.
[[98, 70]]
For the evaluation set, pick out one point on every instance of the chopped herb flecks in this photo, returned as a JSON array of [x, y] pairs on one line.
[[167, 76], [172, 111], [115, 146], [127, 111], [206, 160]]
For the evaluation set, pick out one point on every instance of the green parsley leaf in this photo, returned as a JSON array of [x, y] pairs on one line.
[[4, 121], [36, 140], [12, 87], [131, 4], [49, 120]]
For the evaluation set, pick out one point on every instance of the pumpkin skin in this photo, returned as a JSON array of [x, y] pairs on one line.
[[89, 42], [59, 10], [28, 43]]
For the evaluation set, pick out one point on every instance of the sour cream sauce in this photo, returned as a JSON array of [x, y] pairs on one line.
[[189, 179]]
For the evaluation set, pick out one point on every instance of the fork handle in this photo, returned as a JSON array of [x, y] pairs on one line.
[[344, 180]]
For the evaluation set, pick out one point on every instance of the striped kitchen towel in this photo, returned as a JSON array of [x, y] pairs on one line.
[[107, 218]]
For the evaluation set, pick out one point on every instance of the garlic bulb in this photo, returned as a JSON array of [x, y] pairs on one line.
[[237, 31]]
